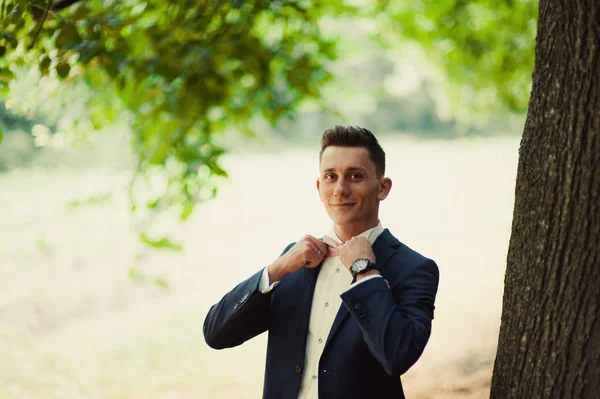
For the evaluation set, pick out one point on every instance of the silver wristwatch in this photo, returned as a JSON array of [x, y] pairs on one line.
[[362, 265]]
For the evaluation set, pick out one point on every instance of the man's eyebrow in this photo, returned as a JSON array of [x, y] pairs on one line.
[[360, 168], [357, 168]]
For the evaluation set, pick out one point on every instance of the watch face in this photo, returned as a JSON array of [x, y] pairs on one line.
[[359, 265]]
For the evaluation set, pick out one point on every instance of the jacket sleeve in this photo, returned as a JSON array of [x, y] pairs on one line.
[[242, 314], [396, 323]]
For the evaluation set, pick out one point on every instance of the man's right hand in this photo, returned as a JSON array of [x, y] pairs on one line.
[[308, 252]]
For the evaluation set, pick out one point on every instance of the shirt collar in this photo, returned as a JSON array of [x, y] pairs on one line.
[[370, 234]]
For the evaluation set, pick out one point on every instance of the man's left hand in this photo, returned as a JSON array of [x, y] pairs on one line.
[[351, 250]]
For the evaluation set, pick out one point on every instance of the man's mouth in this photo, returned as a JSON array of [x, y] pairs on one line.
[[344, 204]]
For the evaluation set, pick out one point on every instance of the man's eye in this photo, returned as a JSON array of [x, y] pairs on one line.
[[355, 176], [330, 176]]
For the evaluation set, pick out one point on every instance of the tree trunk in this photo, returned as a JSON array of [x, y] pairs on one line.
[[549, 345]]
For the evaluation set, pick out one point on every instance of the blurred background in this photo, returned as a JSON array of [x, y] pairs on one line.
[[153, 154]]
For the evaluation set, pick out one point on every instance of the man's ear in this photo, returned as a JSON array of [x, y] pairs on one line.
[[319, 188], [384, 188]]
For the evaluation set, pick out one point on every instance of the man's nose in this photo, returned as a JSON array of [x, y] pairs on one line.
[[341, 188]]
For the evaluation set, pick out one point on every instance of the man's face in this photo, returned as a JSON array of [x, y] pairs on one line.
[[349, 187]]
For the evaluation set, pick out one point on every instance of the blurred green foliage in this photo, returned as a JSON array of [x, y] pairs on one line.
[[180, 72], [486, 47], [161, 283], [16, 146], [162, 243], [90, 201], [136, 275], [184, 70]]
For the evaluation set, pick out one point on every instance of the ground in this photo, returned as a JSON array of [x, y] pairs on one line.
[[75, 324]]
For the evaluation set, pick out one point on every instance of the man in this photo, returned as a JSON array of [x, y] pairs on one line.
[[348, 314]]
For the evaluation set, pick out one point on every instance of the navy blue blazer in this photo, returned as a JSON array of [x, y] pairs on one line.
[[377, 335]]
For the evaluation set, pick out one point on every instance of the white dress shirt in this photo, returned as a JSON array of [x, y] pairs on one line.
[[333, 280]]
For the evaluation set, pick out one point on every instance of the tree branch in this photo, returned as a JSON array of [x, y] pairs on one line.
[[41, 24], [64, 4]]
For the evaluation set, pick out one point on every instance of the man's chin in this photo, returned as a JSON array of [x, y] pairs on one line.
[[340, 220]]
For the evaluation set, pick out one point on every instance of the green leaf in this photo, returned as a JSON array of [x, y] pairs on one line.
[[44, 245], [62, 69], [68, 36], [1, 136], [6, 75], [136, 275], [162, 243], [161, 283], [58, 16], [188, 208], [44, 64], [153, 204], [90, 201]]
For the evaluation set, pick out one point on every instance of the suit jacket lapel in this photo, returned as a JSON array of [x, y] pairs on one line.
[[383, 250]]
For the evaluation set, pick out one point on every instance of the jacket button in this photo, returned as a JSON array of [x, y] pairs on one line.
[[298, 369], [357, 306]]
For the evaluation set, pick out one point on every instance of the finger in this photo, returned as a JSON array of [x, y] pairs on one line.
[[309, 256], [315, 253], [311, 247], [311, 265], [318, 242], [307, 238], [313, 240], [330, 242], [362, 239], [319, 247], [312, 260], [314, 244], [322, 247]]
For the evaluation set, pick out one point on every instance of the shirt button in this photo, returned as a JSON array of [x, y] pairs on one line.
[[326, 303], [314, 377], [320, 340], [337, 270]]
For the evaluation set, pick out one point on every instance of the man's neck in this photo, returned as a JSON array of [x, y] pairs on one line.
[[347, 231]]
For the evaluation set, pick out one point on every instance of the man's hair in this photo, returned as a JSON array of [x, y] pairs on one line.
[[354, 136]]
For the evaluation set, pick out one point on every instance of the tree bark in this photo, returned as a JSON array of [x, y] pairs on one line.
[[549, 344]]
